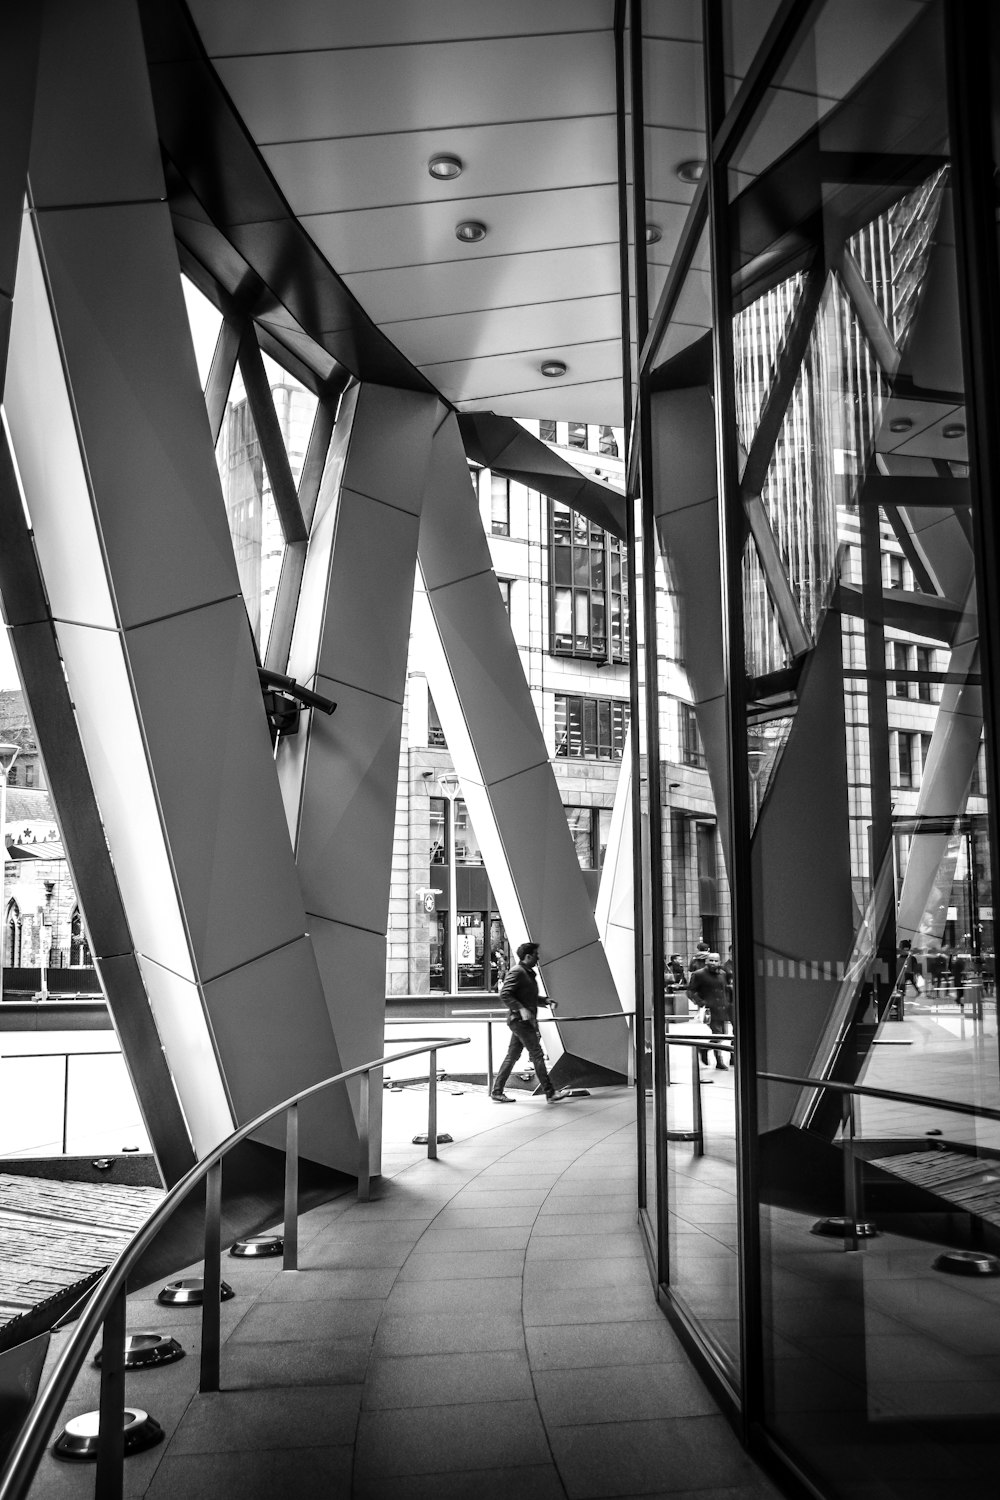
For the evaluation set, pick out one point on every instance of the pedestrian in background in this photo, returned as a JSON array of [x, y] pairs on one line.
[[520, 995]]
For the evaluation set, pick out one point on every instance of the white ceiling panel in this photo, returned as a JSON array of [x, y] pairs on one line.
[[665, 150], [506, 374], [434, 340], [307, 95], [378, 171], [505, 281], [424, 234], [673, 93], [599, 401], [236, 27]]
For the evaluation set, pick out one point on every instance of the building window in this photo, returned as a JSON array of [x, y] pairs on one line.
[[12, 776], [437, 852], [505, 584], [499, 506], [12, 937], [894, 577], [978, 787], [607, 444], [899, 661], [29, 773], [577, 434], [904, 758], [590, 728], [79, 948], [547, 430], [927, 692], [435, 734], [590, 827], [587, 588], [467, 850], [925, 750], [692, 750]]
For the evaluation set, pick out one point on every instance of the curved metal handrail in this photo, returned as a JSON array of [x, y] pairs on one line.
[[864, 1090], [34, 1435]]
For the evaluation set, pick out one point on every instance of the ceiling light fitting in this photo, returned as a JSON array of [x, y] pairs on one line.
[[690, 172], [654, 234], [900, 424], [445, 168], [470, 231], [953, 430], [553, 368]]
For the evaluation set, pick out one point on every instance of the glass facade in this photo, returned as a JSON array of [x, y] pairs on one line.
[[816, 426]]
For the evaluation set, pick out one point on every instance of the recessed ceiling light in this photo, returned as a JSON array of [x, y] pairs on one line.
[[553, 368], [470, 231], [900, 424], [445, 167], [654, 234], [953, 430], [690, 171]]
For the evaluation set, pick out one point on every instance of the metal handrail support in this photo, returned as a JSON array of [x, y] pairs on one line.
[[697, 1044], [850, 1174], [106, 1305]]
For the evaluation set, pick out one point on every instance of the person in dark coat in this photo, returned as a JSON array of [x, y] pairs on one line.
[[520, 995], [707, 987]]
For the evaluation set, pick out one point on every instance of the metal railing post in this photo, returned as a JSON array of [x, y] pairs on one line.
[[364, 1129], [65, 1129], [697, 1122], [290, 1261], [489, 1055], [211, 1309], [850, 1175], [432, 1107], [110, 1482]]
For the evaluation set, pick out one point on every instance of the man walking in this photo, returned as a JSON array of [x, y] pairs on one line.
[[520, 995], [707, 987]]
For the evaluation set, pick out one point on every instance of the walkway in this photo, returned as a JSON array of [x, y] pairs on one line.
[[486, 1328]]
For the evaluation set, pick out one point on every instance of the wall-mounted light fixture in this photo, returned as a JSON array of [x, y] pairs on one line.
[[552, 368], [470, 231], [654, 234], [690, 172]]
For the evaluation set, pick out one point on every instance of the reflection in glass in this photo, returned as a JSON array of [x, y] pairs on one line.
[[870, 832]]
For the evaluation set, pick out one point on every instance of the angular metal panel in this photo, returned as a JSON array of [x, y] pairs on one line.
[[112, 156], [48, 453], [344, 842], [217, 796], [111, 732], [159, 501], [179, 1015], [247, 1002], [577, 984], [483, 659], [382, 540], [390, 445]]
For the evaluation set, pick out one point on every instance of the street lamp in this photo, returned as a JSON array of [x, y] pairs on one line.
[[449, 784], [8, 755]]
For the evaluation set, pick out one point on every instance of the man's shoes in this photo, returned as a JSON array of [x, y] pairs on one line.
[[502, 1099], [559, 1095], [721, 1068]]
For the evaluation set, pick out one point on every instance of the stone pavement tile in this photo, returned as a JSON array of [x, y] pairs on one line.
[[621, 1393], [586, 1247], [476, 1196], [639, 1458], [252, 1366], [444, 1333], [599, 1345], [392, 1231], [484, 1217], [302, 1417], [432, 1439], [318, 1286], [448, 1379], [586, 1183], [583, 1224], [463, 1263], [327, 1255], [535, 1482], [613, 1271], [458, 1295], [604, 1304], [507, 1237], [601, 1204], [308, 1474], [345, 1317]]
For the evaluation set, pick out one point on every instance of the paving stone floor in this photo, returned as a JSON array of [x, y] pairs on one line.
[[485, 1327]]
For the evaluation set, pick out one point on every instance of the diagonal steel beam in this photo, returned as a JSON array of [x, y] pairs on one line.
[[279, 470]]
